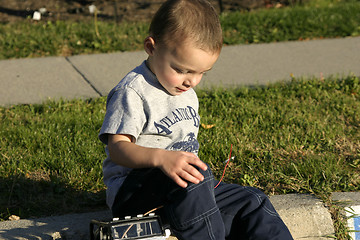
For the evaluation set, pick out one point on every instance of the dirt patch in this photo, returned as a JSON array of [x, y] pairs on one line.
[[108, 10]]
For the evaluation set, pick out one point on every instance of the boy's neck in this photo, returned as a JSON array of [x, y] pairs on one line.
[[148, 66]]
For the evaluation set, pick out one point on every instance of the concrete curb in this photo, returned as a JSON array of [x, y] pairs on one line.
[[71, 226], [350, 203], [305, 215]]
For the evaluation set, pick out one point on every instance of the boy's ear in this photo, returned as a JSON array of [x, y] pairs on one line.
[[149, 45]]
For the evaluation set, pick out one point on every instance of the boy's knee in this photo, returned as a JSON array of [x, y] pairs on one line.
[[197, 193], [261, 200], [207, 183]]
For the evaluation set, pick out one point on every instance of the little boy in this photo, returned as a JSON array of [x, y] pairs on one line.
[[150, 129]]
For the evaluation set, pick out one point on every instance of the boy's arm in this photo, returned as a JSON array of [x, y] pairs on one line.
[[177, 165]]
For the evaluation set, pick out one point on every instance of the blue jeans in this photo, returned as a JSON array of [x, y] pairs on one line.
[[229, 211]]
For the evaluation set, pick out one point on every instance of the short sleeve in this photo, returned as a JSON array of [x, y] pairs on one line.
[[124, 114]]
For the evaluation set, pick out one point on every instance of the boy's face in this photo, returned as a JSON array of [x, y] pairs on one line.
[[179, 68]]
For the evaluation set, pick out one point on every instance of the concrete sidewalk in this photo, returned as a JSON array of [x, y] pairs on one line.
[[27, 81], [36, 80]]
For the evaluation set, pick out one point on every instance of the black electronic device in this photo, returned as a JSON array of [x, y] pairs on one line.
[[140, 227]]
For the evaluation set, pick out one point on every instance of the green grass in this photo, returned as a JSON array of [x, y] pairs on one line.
[[26, 39], [51, 158], [294, 23], [34, 39], [298, 137]]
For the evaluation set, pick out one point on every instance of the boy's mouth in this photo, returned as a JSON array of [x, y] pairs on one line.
[[181, 90]]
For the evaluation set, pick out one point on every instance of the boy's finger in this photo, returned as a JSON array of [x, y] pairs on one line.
[[191, 177], [192, 174], [197, 162], [179, 181]]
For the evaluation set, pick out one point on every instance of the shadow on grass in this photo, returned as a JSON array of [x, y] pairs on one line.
[[18, 13], [28, 198]]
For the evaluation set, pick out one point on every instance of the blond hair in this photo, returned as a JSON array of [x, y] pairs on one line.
[[178, 21]]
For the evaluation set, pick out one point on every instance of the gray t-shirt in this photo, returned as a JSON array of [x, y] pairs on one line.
[[139, 106]]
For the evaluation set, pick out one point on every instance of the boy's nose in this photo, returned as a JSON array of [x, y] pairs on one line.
[[193, 80]]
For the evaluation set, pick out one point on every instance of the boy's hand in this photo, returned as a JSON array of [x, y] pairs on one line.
[[180, 167]]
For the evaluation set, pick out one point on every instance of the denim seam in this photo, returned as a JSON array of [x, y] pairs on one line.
[[270, 212], [194, 186], [208, 225], [196, 219]]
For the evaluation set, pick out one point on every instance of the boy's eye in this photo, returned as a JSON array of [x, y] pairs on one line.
[[180, 71]]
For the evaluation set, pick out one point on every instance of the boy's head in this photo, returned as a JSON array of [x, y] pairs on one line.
[[184, 42], [195, 21]]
